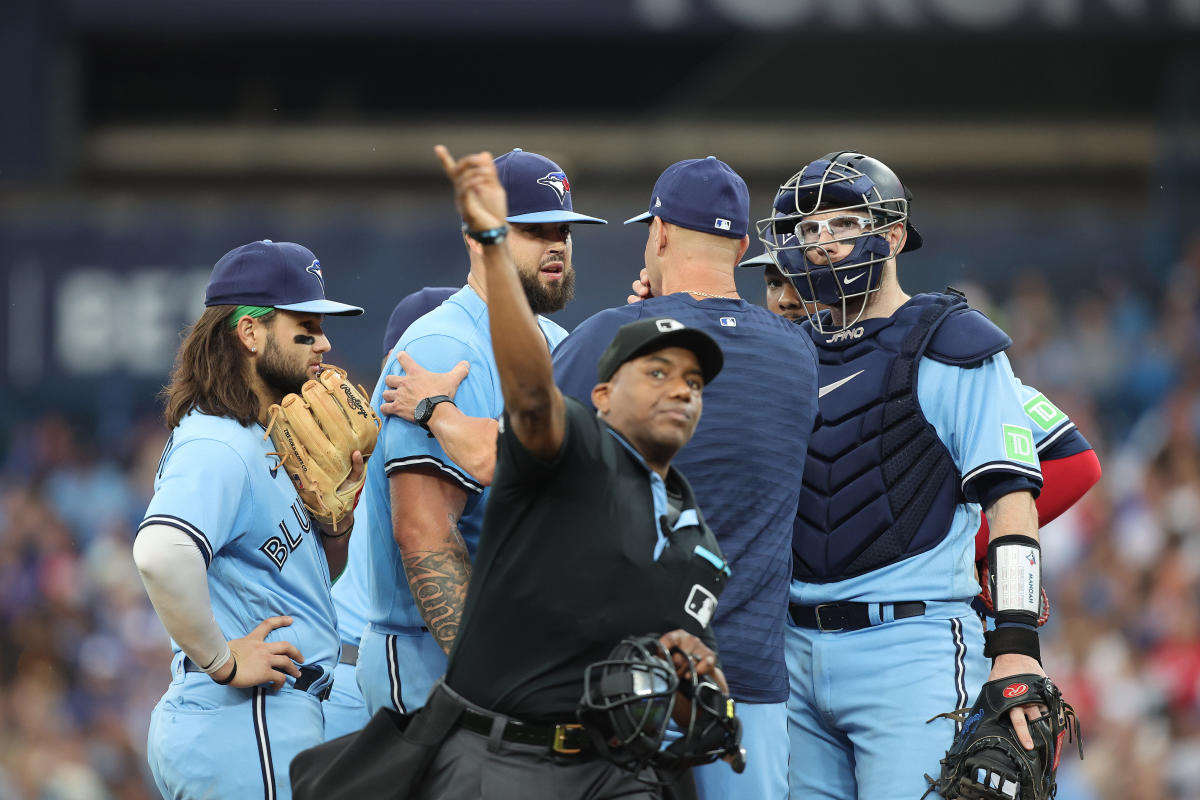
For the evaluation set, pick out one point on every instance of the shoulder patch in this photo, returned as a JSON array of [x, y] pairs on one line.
[[966, 338], [1043, 413]]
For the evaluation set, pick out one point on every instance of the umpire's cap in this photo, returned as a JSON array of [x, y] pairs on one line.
[[538, 189], [280, 275], [646, 336]]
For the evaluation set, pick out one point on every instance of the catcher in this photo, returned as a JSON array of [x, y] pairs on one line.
[[236, 567]]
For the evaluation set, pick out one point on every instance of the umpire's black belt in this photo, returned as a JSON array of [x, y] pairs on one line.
[[832, 617], [308, 675], [565, 738]]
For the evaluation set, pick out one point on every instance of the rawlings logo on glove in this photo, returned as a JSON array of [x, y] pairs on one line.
[[316, 433], [987, 761]]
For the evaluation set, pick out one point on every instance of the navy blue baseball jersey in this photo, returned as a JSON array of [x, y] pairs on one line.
[[744, 462]]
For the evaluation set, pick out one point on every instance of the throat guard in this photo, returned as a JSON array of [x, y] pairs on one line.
[[879, 485]]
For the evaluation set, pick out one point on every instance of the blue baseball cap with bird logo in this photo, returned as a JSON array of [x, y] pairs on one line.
[[538, 189], [281, 275]]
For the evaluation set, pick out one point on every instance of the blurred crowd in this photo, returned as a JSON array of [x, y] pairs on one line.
[[83, 658]]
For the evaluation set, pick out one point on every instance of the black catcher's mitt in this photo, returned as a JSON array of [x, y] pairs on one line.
[[987, 761]]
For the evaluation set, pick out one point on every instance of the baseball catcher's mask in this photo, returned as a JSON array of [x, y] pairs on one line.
[[848, 186]]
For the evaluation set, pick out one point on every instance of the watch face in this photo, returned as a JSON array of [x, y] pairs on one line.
[[422, 412]]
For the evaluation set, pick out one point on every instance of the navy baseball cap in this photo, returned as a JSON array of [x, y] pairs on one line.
[[538, 189], [634, 339], [281, 275], [412, 307], [703, 194]]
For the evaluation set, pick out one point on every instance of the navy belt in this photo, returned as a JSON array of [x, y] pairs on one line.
[[568, 738], [308, 675], [832, 617]]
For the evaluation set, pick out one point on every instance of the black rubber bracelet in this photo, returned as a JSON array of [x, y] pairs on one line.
[[1016, 639], [489, 236], [341, 535], [232, 672]]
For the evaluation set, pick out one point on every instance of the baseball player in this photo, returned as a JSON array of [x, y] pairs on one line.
[[748, 449], [235, 567], [1069, 464], [345, 710], [424, 507], [922, 426]]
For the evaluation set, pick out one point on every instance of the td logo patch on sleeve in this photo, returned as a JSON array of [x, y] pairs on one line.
[[1044, 414], [1018, 445]]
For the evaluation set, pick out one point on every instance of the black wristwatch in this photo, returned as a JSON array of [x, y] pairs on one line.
[[424, 409]]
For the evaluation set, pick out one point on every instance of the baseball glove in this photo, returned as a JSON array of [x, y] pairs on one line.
[[315, 434], [986, 760]]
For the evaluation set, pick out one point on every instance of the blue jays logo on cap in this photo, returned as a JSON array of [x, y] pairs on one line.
[[558, 182], [315, 269], [274, 274], [538, 189]]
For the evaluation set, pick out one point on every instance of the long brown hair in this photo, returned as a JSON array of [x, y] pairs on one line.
[[210, 372]]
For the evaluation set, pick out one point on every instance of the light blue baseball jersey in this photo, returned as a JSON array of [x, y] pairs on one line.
[[350, 589], [218, 483], [980, 417], [455, 331]]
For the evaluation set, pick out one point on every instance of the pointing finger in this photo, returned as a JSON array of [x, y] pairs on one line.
[[448, 162]]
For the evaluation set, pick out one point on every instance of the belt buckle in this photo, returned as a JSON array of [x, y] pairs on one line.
[[820, 625], [560, 738]]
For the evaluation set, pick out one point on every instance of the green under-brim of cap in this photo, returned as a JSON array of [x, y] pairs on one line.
[[248, 311]]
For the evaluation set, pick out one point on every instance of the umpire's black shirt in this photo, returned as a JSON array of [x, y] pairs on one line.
[[567, 567]]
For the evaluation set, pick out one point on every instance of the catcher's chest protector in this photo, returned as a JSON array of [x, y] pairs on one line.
[[879, 485]]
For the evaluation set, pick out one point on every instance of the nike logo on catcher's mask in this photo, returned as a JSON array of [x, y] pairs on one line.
[[849, 281]]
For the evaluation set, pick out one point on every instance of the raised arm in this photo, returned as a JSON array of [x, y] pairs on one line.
[[532, 402]]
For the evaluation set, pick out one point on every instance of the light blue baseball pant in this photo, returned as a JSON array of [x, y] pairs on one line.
[[397, 669], [212, 742], [860, 700], [345, 711], [765, 738]]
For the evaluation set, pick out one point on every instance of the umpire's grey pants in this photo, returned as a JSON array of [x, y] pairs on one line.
[[471, 765]]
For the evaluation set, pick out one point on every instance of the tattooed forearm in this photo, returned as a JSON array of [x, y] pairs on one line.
[[438, 580]]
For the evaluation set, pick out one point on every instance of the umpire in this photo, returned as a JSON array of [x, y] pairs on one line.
[[580, 504], [590, 536]]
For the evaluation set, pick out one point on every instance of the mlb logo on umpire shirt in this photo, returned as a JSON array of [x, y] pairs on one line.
[[701, 604]]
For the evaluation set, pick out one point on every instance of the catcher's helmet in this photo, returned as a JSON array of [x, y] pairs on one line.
[[862, 188], [627, 701]]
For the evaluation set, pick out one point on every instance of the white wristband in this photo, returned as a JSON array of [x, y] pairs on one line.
[[1016, 574]]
